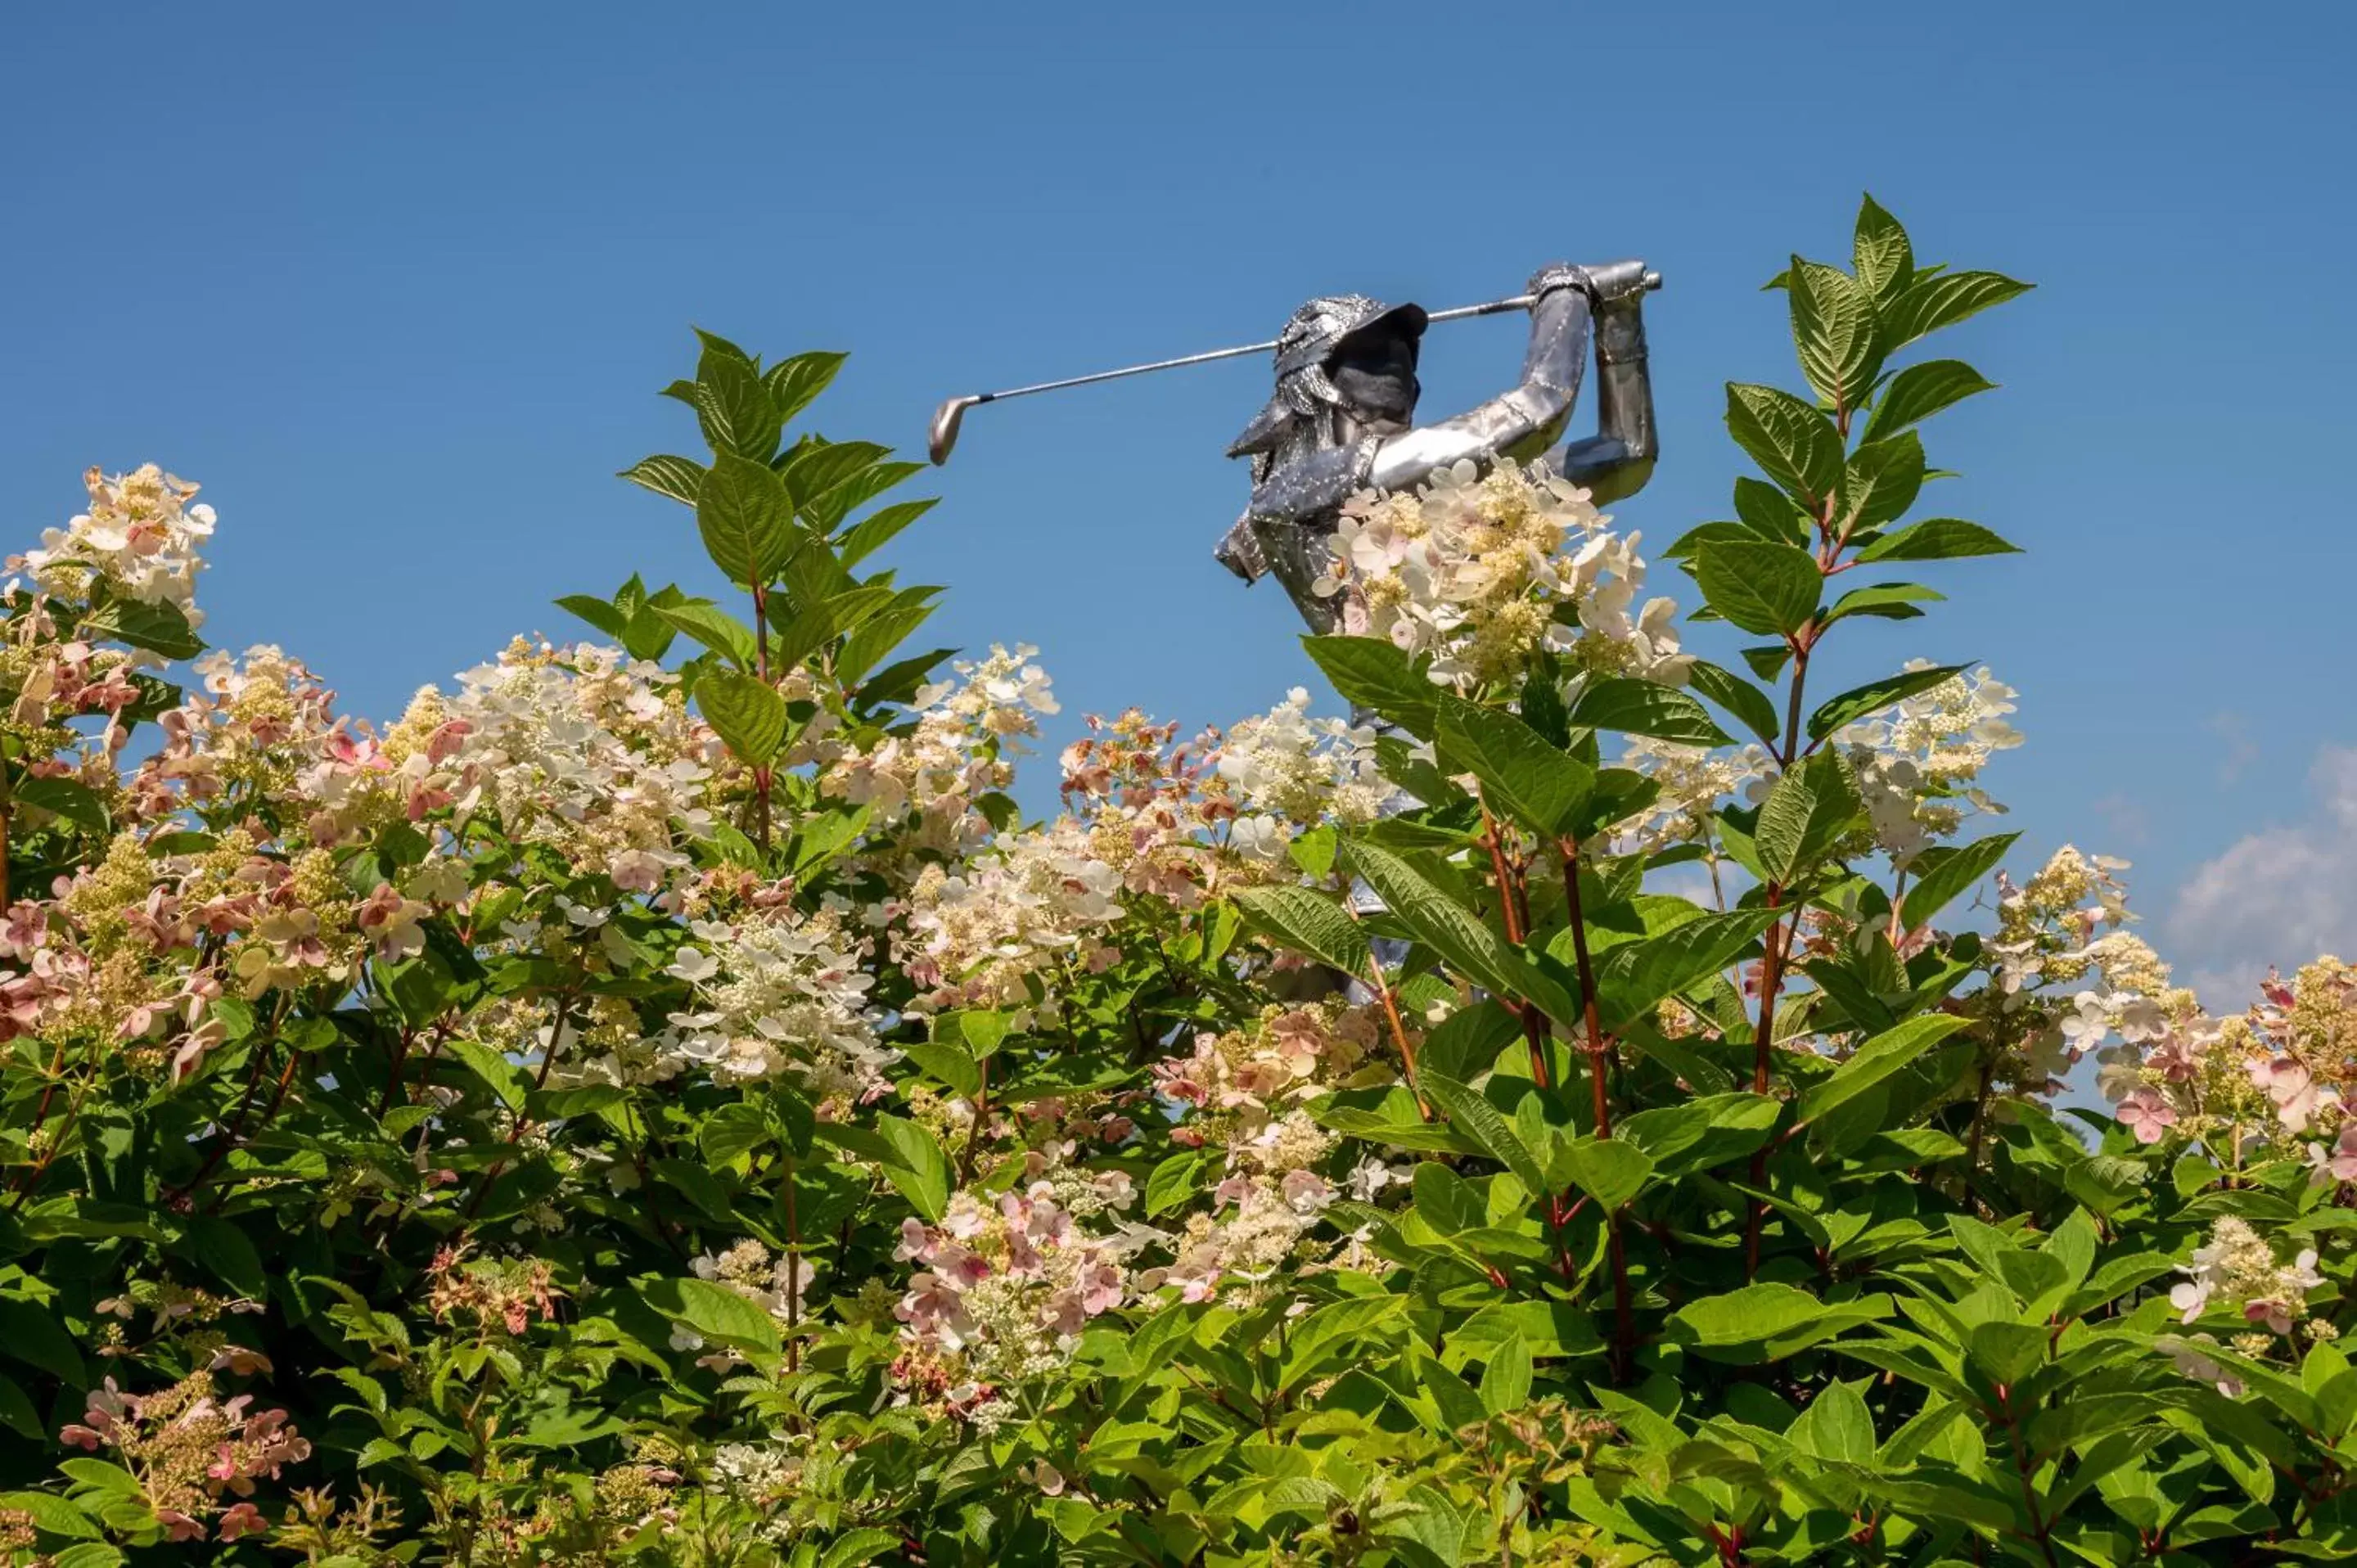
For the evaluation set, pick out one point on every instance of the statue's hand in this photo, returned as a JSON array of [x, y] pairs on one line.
[[1557, 275], [1616, 284]]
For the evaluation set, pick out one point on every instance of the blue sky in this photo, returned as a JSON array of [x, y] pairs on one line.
[[398, 285]]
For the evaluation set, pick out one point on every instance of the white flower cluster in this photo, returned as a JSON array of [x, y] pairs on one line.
[[1482, 569], [1006, 1288], [1918, 760], [1288, 770], [140, 536], [1694, 781], [782, 993], [958, 752], [1023, 908], [586, 749]]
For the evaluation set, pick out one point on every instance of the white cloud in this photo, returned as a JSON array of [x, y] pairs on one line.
[[2238, 749], [2281, 896]]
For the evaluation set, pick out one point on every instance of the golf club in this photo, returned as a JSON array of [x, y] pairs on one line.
[[942, 438]]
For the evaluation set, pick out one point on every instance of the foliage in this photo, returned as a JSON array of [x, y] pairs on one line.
[[656, 1103]]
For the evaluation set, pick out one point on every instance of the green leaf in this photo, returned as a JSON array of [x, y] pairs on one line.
[[29, 1333], [1539, 786], [792, 383], [64, 798], [1452, 931], [1942, 874], [1836, 1427], [1770, 513], [1875, 695], [1478, 1119], [224, 1248], [718, 1314], [1468, 1041], [681, 478], [1634, 978], [1506, 1380], [53, 1515], [734, 408], [1609, 1170], [712, 626], [947, 1063], [747, 711], [822, 623], [1942, 299], [1919, 391], [158, 628], [875, 530], [1879, 482], [1768, 1321], [1833, 328], [1172, 1182], [857, 1547], [1309, 923], [1447, 1201], [1765, 589], [827, 511], [911, 1159], [596, 611], [1876, 1060], [1648, 708], [1371, 674], [501, 1077], [883, 631], [746, 519], [815, 469], [1794, 443], [1781, 837], [1937, 539], [1737, 696], [734, 1128], [1884, 259], [1889, 601]]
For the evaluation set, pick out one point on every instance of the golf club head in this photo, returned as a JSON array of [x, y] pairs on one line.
[[942, 438]]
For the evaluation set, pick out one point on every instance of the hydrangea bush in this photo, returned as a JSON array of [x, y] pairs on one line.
[[656, 1101]]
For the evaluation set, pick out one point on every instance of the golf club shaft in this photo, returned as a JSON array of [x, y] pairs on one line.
[[1493, 308]]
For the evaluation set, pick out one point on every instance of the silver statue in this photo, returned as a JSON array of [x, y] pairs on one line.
[[1343, 419]]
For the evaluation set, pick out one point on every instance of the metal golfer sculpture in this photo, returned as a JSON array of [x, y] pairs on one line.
[[1343, 416]]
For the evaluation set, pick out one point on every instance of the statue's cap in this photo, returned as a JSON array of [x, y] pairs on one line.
[[1318, 329]]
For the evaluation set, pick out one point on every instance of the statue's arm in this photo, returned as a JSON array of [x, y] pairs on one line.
[[1618, 459], [1519, 423], [1315, 483]]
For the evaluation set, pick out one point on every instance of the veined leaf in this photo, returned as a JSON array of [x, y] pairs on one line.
[[1794, 443], [712, 626], [1875, 695], [1942, 299], [1890, 601], [1538, 785], [734, 408], [681, 478], [1453, 931], [1879, 482], [1372, 674], [1942, 874], [159, 627], [745, 520], [1737, 696], [1937, 539], [1649, 708], [1309, 923], [1876, 1060], [1609, 1170], [1833, 328], [1765, 589], [747, 711], [1477, 1119], [1634, 978], [1919, 391], [872, 532], [1880, 251], [792, 383]]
